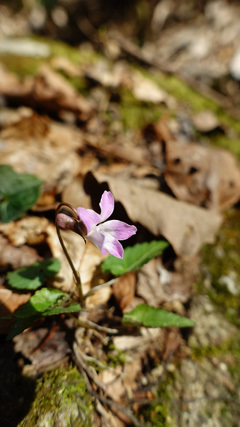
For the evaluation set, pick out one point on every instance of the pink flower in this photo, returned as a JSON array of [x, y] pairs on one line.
[[106, 234]]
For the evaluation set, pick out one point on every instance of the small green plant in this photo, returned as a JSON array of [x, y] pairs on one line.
[[106, 235]]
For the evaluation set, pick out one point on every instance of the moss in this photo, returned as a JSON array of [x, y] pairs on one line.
[[158, 414], [22, 66], [61, 394], [115, 356], [136, 114], [223, 259]]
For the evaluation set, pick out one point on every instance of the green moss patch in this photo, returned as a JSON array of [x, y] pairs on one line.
[[60, 396]]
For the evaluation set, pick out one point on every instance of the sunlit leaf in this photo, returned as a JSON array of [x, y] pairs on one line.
[[152, 317], [45, 302], [35, 275], [18, 193], [41, 301], [134, 257], [73, 308]]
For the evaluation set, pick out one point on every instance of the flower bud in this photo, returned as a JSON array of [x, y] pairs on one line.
[[65, 222]]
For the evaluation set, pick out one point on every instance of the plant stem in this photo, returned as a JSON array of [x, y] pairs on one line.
[[75, 273]]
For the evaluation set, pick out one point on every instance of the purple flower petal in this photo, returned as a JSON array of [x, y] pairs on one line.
[[117, 229], [89, 217], [112, 246], [98, 240], [107, 205]]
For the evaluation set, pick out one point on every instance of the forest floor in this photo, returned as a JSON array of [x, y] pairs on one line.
[[157, 124]]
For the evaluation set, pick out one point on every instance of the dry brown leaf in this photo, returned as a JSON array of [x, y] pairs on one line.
[[91, 275], [30, 230], [124, 289], [48, 90], [75, 195], [9, 302], [157, 285], [204, 176], [186, 227], [54, 92], [11, 86], [44, 355], [37, 145], [14, 256]]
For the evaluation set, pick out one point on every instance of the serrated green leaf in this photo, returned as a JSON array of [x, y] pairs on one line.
[[18, 193], [35, 275], [134, 257], [152, 317]]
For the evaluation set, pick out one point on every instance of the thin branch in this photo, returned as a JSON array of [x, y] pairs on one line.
[[96, 288]]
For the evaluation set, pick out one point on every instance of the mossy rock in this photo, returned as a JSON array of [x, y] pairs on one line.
[[61, 400]]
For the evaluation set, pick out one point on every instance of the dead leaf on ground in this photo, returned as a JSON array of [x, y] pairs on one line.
[[204, 176], [30, 230], [91, 275], [37, 145], [16, 257], [124, 290], [185, 226], [44, 355], [157, 285], [48, 90], [10, 301]]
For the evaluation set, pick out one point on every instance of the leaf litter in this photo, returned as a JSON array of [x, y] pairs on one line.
[[169, 188]]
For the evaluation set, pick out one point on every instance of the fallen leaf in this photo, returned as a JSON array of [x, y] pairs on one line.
[[9, 302], [48, 90], [185, 226], [37, 145], [204, 176], [44, 355], [53, 92], [30, 230], [156, 285], [124, 289], [16, 257]]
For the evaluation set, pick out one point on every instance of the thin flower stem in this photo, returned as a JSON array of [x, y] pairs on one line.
[[75, 273]]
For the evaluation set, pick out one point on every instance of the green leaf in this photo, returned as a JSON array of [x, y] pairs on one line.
[[35, 275], [134, 257], [73, 308], [152, 317], [18, 193], [40, 302], [45, 302]]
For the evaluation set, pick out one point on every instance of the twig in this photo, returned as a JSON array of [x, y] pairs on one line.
[[90, 373], [91, 325], [96, 288]]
